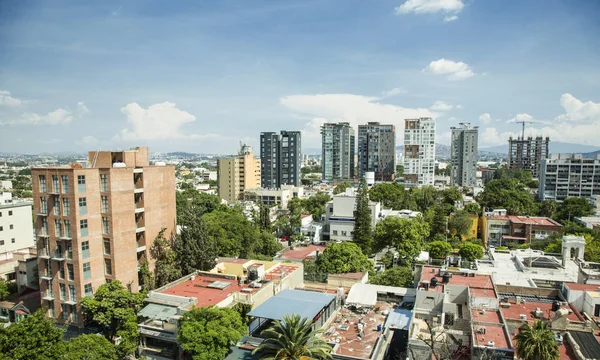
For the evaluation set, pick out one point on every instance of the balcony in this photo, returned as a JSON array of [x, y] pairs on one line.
[[141, 248], [46, 276], [43, 233], [47, 296], [44, 254], [138, 170], [66, 237], [139, 210], [42, 212], [58, 256], [138, 190], [71, 301]]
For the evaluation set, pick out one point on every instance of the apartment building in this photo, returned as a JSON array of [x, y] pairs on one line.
[[337, 151], [97, 223], [528, 154], [499, 230], [464, 155], [238, 173], [419, 151], [281, 158], [377, 151], [339, 215], [16, 237], [569, 175], [274, 197]]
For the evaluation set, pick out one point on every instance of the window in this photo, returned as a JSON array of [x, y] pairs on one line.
[[12, 240], [55, 185], [42, 183], [105, 225], [104, 203], [83, 228], [58, 228], [81, 183], [68, 228], [1, 242], [82, 206], [85, 249], [63, 292], [61, 271], [107, 246], [56, 206], [66, 207], [11, 227], [335, 232], [43, 205], [72, 295], [74, 317], [71, 272], [107, 267], [44, 226], [87, 271], [103, 183], [87, 289], [65, 184], [65, 311], [51, 311], [9, 212]]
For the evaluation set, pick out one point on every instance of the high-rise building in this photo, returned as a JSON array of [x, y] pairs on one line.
[[337, 151], [281, 158], [377, 151], [528, 154], [569, 175], [96, 223], [419, 151], [238, 173], [464, 155]]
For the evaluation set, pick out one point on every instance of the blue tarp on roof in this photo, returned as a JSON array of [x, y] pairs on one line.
[[307, 304]]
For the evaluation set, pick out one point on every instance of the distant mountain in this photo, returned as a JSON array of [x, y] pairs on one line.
[[556, 147], [443, 152], [591, 155]]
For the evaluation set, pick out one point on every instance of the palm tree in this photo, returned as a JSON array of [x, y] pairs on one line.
[[536, 342], [292, 339]]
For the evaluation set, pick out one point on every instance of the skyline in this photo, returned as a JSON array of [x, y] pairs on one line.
[[202, 77]]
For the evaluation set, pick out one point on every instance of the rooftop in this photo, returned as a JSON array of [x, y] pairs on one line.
[[527, 220], [494, 334], [353, 276], [345, 330], [462, 277], [280, 271], [583, 287], [529, 308], [231, 260], [208, 289], [307, 304], [486, 316], [302, 252]]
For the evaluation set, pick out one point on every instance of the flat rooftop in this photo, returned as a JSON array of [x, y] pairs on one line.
[[301, 252], [528, 220], [344, 332], [487, 316], [583, 287], [307, 304], [280, 271], [209, 290], [472, 280], [494, 336], [483, 293], [529, 308]]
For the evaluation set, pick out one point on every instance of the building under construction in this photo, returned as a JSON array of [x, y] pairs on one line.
[[528, 154]]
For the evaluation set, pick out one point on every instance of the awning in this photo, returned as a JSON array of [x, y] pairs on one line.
[[158, 312]]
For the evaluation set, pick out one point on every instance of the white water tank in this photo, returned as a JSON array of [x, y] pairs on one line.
[[119, 165], [370, 178]]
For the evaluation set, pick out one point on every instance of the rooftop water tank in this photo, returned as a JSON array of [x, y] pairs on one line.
[[119, 165]]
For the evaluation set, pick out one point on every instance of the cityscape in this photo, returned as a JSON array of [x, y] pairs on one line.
[[352, 228]]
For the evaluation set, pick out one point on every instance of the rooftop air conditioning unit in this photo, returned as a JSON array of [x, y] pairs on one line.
[[523, 317], [490, 343]]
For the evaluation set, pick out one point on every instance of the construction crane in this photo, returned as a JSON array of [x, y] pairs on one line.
[[523, 122]]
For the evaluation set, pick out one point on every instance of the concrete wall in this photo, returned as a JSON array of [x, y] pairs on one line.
[[429, 301], [590, 300], [18, 217]]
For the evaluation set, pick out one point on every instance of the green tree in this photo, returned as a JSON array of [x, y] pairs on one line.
[[391, 195], [548, 208], [315, 204], [147, 280], [113, 309], [363, 233], [233, 233], [35, 338], [195, 249], [573, 207], [341, 258], [166, 266], [406, 235], [459, 224], [509, 194], [208, 332], [264, 219], [436, 217], [292, 339], [243, 310], [470, 251], [439, 249], [451, 196], [4, 289], [341, 187], [536, 342], [400, 276], [399, 170], [201, 203], [267, 245], [89, 347], [473, 209]]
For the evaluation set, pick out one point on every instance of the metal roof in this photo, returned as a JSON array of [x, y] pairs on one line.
[[307, 304], [158, 312]]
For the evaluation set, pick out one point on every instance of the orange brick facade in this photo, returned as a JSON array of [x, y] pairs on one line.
[[125, 202]]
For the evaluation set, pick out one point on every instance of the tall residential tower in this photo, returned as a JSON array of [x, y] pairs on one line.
[[281, 158], [377, 150], [238, 173], [464, 155], [337, 149], [419, 151], [95, 224], [528, 154]]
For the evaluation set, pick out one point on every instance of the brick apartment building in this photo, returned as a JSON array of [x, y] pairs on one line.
[[500, 230], [96, 223]]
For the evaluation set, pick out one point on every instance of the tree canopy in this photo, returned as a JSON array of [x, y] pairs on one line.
[[200, 202], [406, 235], [363, 232], [391, 195], [439, 249], [509, 194], [89, 347], [208, 332], [536, 342], [470, 251], [341, 258], [341, 187], [195, 249], [459, 224], [573, 207], [35, 338], [400, 276]]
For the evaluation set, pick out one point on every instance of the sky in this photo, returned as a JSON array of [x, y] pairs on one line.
[[203, 76]]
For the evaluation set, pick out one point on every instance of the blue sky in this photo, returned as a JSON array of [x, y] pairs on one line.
[[201, 76]]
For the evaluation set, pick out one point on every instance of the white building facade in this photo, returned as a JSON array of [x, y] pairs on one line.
[[16, 235], [339, 215], [419, 151], [569, 175]]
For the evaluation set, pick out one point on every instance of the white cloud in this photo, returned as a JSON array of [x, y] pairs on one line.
[[82, 108], [393, 92], [443, 137], [577, 110], [485, 118], [454, 70], [88, 141], [57, 117], [355, 109], [450, 18], [441, 106], [7, 100], [521, 117], [459, 106], [158, 122], [430, 6]]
